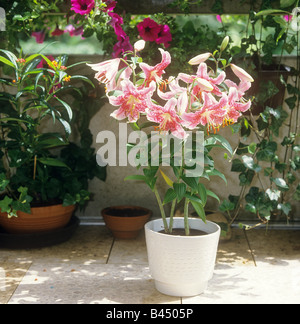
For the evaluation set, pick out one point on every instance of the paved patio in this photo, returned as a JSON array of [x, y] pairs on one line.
[[93, 268]]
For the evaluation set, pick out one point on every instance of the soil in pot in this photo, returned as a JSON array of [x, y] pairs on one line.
[[181, 232]]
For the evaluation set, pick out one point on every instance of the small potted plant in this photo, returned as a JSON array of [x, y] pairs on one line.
[[126, 222], [40, 186], [181, 251]]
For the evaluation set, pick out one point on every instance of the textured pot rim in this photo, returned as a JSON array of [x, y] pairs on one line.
[[217, 229], [133, 207]]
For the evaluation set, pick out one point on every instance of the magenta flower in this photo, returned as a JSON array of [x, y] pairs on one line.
[[44, 64], [164, 36], [132, 102], [116, 22], [167, 118], [110, 5], [149, 30], [74, 31], [122, 46], [57, 32], [39, 36], [82, 7]]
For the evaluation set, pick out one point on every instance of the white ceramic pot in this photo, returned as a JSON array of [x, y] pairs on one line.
[[182, 265]]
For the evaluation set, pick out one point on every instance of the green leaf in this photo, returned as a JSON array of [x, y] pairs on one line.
[[199, 210], [287, 3], [83, 78], [202, 192], [191, 182], [272, 12], [213, 195], [53, 162], [223, 142], [6, 61], [180, 190], [216, 172], [280, 183], [67, 107], [5, 204], [3, 182], [238, 166], [273, 194], [170, 196], [249, 163], [137, 177], [286, 208]]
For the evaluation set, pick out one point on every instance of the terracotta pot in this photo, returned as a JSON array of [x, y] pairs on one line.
[[126, 222], [41, 219]]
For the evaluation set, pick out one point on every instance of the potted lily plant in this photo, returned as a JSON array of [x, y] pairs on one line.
[[41, 179], [191, 109]]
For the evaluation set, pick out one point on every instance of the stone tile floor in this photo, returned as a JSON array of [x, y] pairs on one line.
[[93, 268]]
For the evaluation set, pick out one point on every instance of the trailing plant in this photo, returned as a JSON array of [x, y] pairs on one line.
[[32, 172], [269, 160]]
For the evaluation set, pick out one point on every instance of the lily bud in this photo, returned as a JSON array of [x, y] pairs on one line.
[[224, 43], [199, 59], [204, 84], [241, 74], [139, 45]]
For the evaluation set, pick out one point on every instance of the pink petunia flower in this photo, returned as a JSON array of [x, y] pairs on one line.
[[82, 7], [167, 118], [39, 36], [57, 32], [154, 73], [149, 30], [110, 5], [164, 36], [132, 101], [116, 22], [74, 31], [122, 46], [219, 18]]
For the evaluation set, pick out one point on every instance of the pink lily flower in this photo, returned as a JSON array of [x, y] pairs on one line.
[[211, 113], [203, 74], [132, 102], [107, 72], [178, 92], [241, 73], [167, 118], [155, 73], [241, 88]]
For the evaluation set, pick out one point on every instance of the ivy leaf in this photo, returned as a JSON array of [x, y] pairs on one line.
[[280, 183], [286, 208], [273, 194]]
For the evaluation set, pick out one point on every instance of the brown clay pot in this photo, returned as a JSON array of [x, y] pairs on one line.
[[41, 219], [125, 222]]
